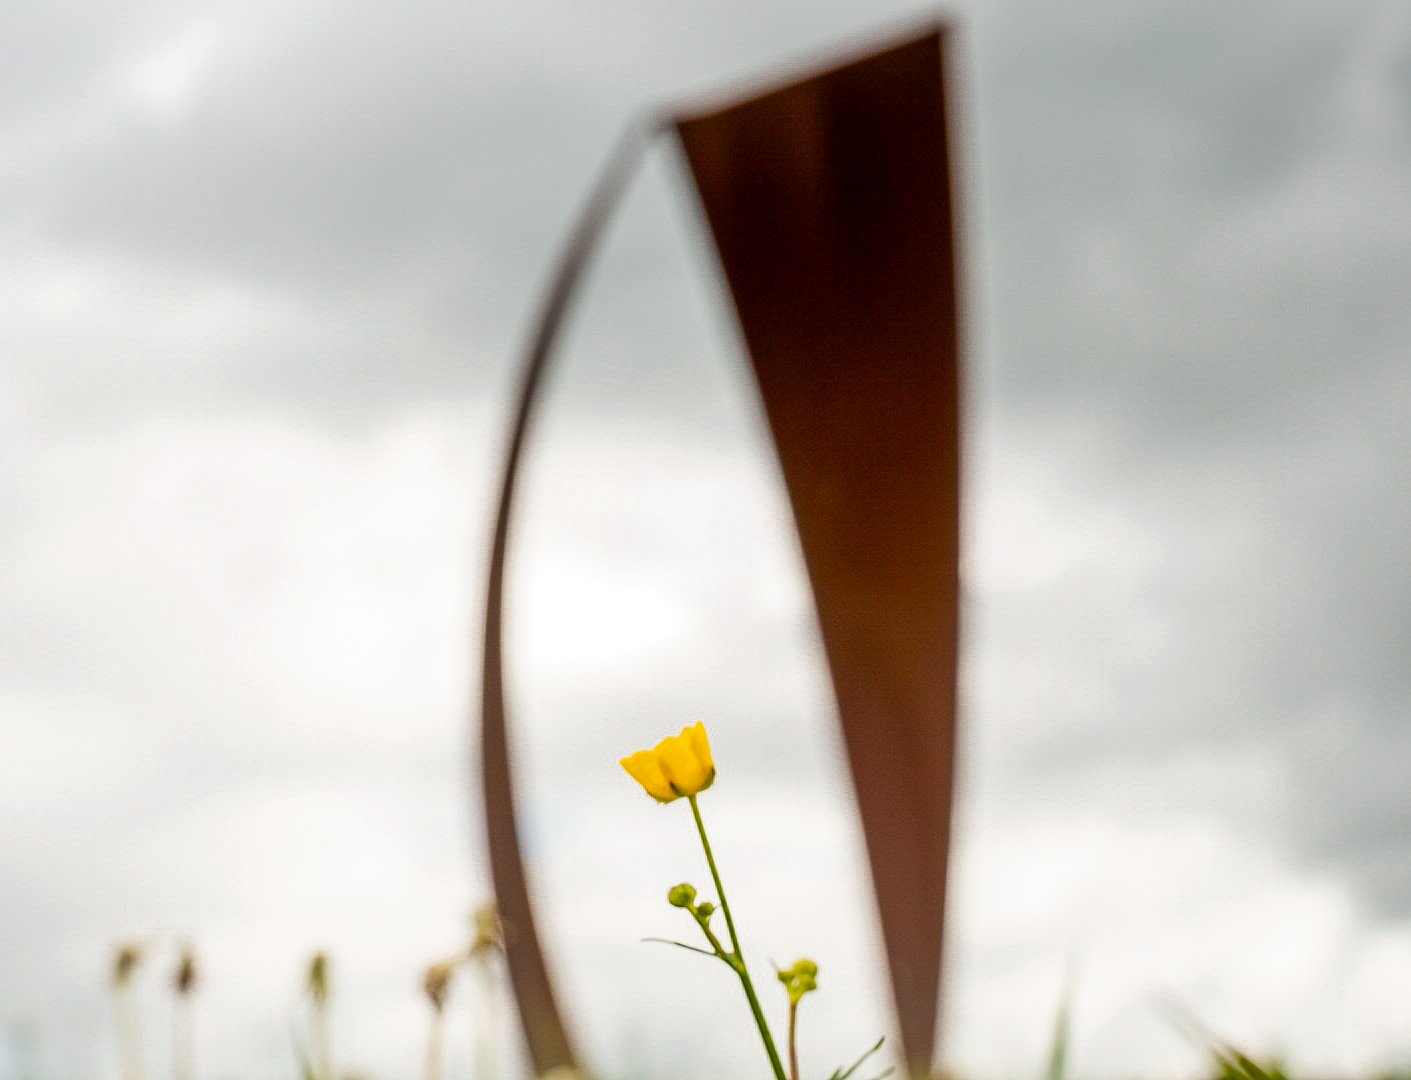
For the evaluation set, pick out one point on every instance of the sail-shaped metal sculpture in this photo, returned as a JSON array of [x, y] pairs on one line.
[[830, 204]]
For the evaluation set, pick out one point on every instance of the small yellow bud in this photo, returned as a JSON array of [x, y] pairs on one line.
[[682, 895], [704, 910]]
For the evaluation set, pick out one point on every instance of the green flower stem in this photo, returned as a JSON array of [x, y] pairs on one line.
[[715, 876], [737, 958], [714, 941], [793, 1046]]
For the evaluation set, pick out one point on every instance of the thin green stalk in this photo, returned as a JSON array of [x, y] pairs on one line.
[[793, 1046], [704, 924], [737, 956]]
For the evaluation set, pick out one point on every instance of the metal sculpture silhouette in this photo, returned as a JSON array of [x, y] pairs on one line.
[[830, 203]]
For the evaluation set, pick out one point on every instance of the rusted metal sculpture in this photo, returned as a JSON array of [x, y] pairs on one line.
[[544, 1032], [830, 203]]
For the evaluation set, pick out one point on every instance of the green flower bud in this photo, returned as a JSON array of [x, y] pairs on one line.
[[682, 895], [799, 979], [704, 910]]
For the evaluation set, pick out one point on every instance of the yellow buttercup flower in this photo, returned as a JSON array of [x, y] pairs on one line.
[[678, 765]]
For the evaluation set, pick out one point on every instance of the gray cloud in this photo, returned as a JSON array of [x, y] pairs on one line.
[[267, 268], [1199, 284]]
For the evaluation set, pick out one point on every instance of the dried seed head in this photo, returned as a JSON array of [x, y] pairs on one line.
[[438, 982], [488, 934], [318, 978], [184, 981], [125, 962]]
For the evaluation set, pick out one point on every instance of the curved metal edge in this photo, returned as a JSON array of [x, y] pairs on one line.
[[544, 1033]]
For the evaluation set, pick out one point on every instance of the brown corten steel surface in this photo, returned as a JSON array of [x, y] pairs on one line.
[[830, 204]]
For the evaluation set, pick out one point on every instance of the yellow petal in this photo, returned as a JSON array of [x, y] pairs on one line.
[[686, 771], [645, 767], [696, 736]]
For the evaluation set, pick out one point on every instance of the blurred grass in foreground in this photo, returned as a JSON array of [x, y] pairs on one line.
[[313, 1057]]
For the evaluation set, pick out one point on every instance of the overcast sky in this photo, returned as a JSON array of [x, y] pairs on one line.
[[264, 269]]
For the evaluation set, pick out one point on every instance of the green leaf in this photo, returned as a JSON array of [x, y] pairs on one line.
[[839, 1074]]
